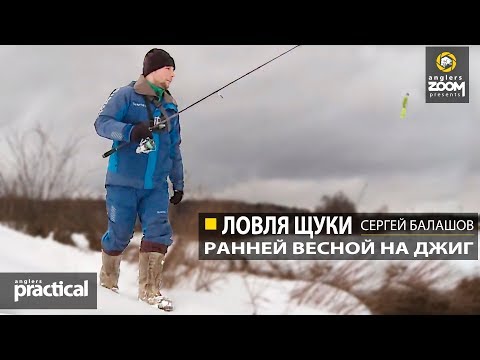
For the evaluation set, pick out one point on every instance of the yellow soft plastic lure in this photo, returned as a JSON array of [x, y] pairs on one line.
[[403, 113]]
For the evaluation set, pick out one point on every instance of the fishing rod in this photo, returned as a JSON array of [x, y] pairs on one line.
[[163, 122]]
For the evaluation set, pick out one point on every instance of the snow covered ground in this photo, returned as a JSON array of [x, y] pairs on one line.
[[232, 295]]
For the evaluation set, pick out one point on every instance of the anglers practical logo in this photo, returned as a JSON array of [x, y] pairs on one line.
[[48, 290], [447, 75]]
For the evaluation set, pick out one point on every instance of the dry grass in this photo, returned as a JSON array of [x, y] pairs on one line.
[[64, 216], [322, 296], [255, 288], [330, 287], [465, 298], [60, 217], [182, 265], [417, 289], [413, 289]]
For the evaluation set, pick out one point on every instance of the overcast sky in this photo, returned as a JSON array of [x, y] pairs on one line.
[[318, 120]]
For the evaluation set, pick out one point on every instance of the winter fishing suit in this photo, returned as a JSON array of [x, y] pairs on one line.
[[136, 183]]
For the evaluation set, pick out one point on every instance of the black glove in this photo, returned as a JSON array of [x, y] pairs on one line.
[[139, 132], [177, 197]]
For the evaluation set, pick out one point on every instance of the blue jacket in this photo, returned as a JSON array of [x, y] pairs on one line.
[[124, 108]]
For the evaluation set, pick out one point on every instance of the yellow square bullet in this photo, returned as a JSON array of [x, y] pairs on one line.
[[210, 224]]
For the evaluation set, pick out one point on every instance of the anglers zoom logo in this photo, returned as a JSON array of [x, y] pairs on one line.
[[48, 291], [447, 75], [446, 62]]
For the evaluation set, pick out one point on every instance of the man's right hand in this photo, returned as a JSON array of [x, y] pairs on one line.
[[139, 132]]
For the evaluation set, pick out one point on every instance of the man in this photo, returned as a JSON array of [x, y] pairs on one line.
[[136, 179]]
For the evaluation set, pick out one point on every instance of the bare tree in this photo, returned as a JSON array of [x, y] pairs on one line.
[[38, 168], [338, 203]]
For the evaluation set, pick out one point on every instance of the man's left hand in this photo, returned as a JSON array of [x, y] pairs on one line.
[[177, 197]]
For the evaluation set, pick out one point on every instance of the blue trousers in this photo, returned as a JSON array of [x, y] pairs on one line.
[[123, 206]]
